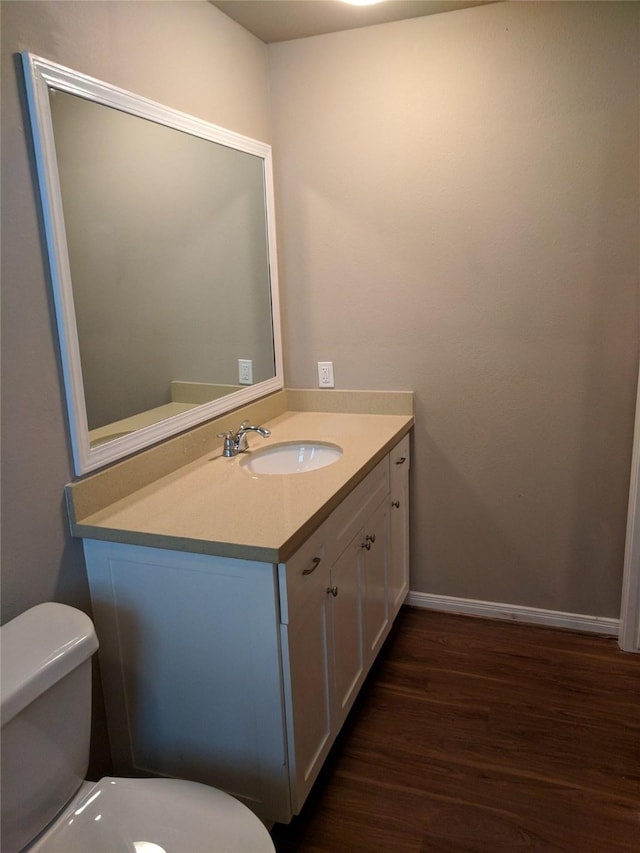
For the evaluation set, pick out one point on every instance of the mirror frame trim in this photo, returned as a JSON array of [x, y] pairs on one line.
[[41, 75]]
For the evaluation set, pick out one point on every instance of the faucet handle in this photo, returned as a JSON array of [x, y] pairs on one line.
[[227, 446], [243, 425]]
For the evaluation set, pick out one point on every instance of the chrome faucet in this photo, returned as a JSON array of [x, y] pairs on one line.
[[235, 443]]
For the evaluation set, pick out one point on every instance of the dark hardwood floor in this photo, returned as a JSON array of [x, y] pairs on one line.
[[478, 735]]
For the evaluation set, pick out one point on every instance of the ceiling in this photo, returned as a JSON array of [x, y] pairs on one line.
[[282, 20]]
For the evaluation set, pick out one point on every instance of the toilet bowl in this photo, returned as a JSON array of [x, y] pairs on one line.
[[151, 816], [46, 805]]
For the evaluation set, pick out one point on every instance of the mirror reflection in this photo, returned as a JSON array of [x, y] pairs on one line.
[[162, 249], [168, 254]]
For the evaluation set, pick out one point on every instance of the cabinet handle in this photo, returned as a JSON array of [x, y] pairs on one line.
[[316, 563], [333, 590], [401, 460], [366, 545], [396, 504], [371, 538]]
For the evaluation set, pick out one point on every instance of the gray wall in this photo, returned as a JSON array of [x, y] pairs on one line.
[[458, 211]]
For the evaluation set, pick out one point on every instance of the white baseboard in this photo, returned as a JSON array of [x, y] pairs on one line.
[[516, 613]]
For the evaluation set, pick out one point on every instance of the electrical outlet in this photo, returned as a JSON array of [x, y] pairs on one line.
[[245, 371], [325, 374]]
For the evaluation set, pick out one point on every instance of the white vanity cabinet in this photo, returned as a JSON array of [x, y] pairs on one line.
[[239, 673]]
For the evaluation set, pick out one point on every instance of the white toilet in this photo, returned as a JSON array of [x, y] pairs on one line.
[[46, 719]]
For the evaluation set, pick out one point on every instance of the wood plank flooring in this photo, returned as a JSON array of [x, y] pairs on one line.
[[481, 736]]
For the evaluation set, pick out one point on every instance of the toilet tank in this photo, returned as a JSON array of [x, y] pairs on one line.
[[45, 705]]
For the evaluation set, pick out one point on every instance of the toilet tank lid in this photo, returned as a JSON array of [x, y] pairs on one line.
[[38, 648]]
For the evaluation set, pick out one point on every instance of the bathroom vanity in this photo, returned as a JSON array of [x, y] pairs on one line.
[[238, 614]]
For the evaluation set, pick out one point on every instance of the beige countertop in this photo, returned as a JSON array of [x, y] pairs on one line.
[[213, 505]]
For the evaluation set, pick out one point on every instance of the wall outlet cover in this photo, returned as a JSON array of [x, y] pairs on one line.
[[245, 371], [325, 374]]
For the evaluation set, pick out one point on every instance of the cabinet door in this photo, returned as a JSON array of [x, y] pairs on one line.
[[307, 667], [346, 599], [375, 551], [399, 528]]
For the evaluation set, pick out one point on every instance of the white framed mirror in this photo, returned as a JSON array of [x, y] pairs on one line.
[[160, 234]]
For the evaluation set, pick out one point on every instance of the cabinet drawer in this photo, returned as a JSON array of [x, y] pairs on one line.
[[305, 575], [307, 572], [349, 516], [399, 462]]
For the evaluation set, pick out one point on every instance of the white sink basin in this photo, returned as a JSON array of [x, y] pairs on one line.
[[294, 457]]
